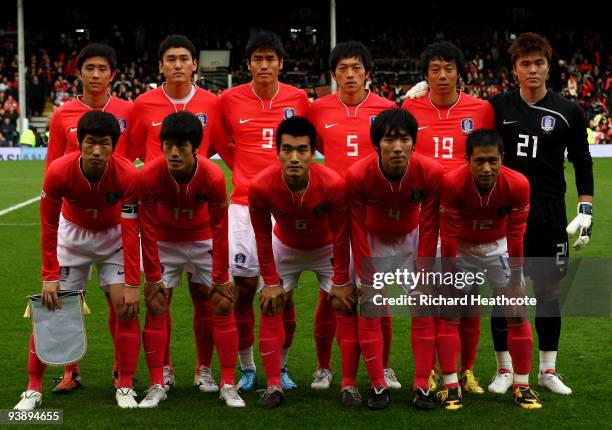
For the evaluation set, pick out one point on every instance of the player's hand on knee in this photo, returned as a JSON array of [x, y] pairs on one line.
[[131, 302], [226, 290], [272, 299], [343, 298], [582, 224], [156, 297], [418, 90], [50, 297]]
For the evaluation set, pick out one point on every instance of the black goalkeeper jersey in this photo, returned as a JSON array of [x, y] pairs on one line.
[[536, 137]]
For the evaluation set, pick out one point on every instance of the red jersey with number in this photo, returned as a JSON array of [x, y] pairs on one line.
[[343, 132], [174, 212], [152, 107], [380, 206], [251, 122], [314, 219], [443, 130], [99, 205], [63, 126], [475, 217]]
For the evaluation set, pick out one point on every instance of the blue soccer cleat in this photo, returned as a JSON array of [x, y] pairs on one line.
[[248, 379], [286, 382]]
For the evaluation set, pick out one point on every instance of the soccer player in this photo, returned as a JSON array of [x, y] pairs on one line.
[[446, 116], [177, 63], [88, 212], [483, 215], [250, 113], [96, 64], [184, 226], [393, 196], [537, 127], [311, 233], [343, 123]]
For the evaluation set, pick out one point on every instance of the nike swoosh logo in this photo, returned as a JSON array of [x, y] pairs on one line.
[[242, 121], [72, 130], [509, 122], [422, 128], [330, 125], [264, 354], [120, 273], [369, 359], [155, 124]]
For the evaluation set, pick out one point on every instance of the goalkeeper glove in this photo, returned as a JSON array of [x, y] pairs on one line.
[[583, 224], [418, 90]]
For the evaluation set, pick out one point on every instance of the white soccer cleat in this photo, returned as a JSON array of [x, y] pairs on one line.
[[229, 394], [169, 376], [126, 398], [29, 400], [391, 379], [204, 380], [322, 379], [155, 395], [501, 382], [553, 382]]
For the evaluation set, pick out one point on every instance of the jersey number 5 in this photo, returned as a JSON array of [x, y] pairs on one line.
[[350, 142]]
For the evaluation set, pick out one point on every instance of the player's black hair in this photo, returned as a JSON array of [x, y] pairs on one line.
[[350, 49], [393, 122], [530, 43], [296, 126], [481, 138], [179, 127], [442, 50], [176, 41], [97, 50], [263, 41], [99, 124]]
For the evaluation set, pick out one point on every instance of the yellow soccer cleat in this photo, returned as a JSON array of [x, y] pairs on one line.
[[450, 398], [433, 381], [526, 398], [469, 383]]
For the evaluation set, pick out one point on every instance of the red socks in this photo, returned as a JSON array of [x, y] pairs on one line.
[[271, 340], [167, 360], [423, 338], [348, 339], [371, 343], [112, 327], [203, 330], [448, 345], [520, 346], [290, 323], [155, 339], [36, 368], [324, 329], [226, 340], [469, 331], [245, 323], [127, 347], [387, 334]]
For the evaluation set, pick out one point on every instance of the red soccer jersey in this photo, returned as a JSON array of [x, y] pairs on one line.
[[343, 132], [180, 212], [393, 208], [481, 218], [444, 130], [311, 220], [63, 127], [152, 107], [252, 122], [96, 205]]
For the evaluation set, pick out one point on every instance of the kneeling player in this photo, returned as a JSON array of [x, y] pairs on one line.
[[184, 204], [483, 215], [88, 216], [311, 233]]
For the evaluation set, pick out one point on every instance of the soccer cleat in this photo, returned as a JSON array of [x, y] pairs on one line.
[[378, 398], [526, 398], [29, 400], [155, 395], [229, 394], [433, 381], [423, 400], [450, 398], [126, 398], [248, 379], [169, 377], [501, 382], [67, 383], [322, 379], [469, 383], [391, 380], [553, 382], [271, 397], [204, 380], [287, 383], [350, 397]]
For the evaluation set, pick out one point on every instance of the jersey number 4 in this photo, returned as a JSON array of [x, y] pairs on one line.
[[523, 143]]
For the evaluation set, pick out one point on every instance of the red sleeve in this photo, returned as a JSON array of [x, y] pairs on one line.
[[449, 219], [488, 120], [50, 208], [262, 225], [147, 209], [129, 228], [57, 140], [137, 136], [429, 220], [221, 137], [339, 225], [217, 208], [124, 145], [517, 223], [357, 211], [310, 114]]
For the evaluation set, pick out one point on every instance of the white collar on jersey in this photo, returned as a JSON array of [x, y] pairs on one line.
[[449, 109], [80, 100], [182, 101], [262, 100], [356, 107]]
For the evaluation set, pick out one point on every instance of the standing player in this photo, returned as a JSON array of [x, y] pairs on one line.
[[89, 216], [446, 117], [537, 127], [483, 215], [250, 113], [177, 63], [343, 123], [311, 233], [96, 69], [184, 225], [393, 197]]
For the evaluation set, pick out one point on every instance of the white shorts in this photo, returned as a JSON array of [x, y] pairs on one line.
[[291, 262], [242, 245], [491, 258], [193, 256], [79, 248]]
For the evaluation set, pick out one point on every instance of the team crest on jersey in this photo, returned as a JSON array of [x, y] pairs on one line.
[[112, 197], [289, 113], [122, 124], [240, 258], [548, 123], [203, 119], [200, 198], [467, 125], [372, 119], [417, 195], [318, 210]]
